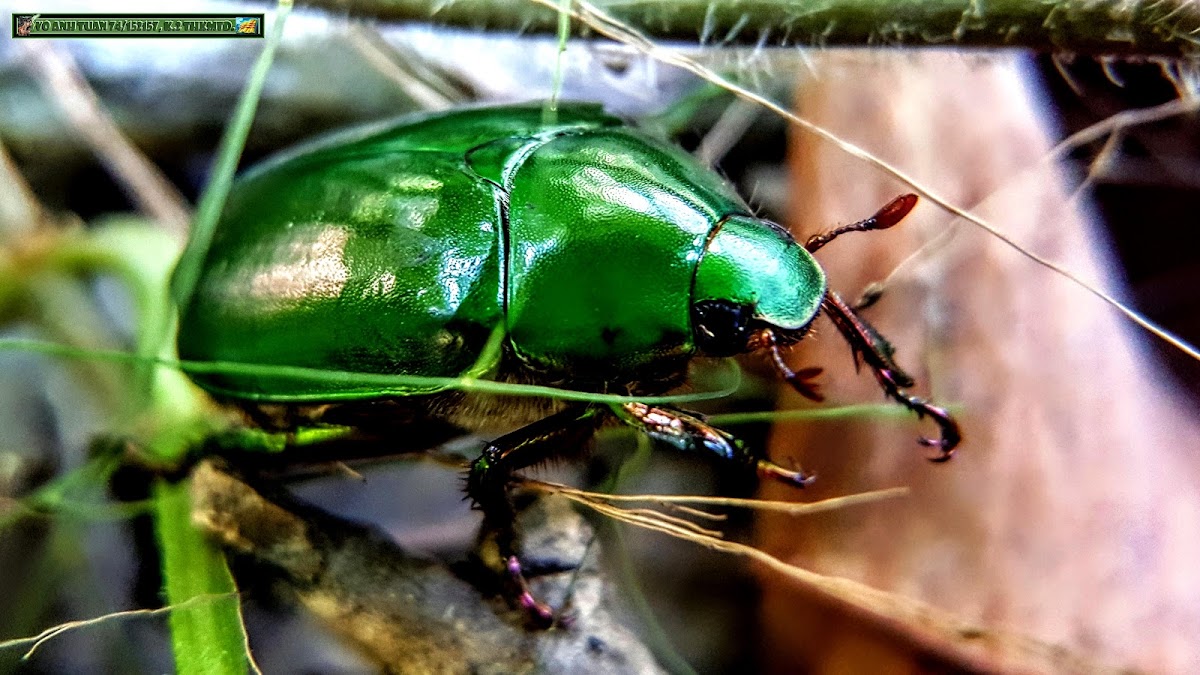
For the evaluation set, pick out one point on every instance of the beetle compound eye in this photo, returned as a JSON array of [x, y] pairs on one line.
[[721, 328]]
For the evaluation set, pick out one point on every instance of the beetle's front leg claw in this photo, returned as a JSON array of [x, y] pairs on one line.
[[804, 382], [951, 435]]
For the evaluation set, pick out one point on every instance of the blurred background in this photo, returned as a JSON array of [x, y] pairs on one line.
[[1070, 520]]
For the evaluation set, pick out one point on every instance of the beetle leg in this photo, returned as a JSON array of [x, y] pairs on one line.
[[884, 218], [876, 352], [801, 380], [488, 479], [690, 433]]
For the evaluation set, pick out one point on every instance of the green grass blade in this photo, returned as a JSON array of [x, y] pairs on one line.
[[206, 637], [550, 111], [208, 211], [384, 383]]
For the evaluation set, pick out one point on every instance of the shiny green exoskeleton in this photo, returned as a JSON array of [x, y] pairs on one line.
[[605, 260], [400, 249]]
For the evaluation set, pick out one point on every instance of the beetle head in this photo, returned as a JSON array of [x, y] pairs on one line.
[[752, 275]]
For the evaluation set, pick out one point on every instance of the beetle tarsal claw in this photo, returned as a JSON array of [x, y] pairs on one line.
[[803, 381], [794, 477], [539, 613], [800, 380], [951, 435]]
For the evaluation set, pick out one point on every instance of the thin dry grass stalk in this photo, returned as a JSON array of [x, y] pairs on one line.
[[948, 639], [674, 501], [35, 642]]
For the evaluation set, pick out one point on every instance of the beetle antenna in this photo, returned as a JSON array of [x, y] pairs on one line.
[[801, 380], [886, 217], [877, 353]]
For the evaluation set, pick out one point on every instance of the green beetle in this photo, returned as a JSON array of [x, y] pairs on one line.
[[604, 258]]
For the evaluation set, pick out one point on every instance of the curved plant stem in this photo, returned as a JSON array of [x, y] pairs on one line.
[[1167, 28]]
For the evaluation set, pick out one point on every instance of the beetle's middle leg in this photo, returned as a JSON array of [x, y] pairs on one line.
[[487, 483], [690, 433]]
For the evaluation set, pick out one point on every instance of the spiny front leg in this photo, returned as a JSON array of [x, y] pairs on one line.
[[690, 433], [876, 352], [487, 485]]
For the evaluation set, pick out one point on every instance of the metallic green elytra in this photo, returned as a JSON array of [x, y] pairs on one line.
[[399, 248]]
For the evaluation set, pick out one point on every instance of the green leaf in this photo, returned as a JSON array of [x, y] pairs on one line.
[[207, 636]]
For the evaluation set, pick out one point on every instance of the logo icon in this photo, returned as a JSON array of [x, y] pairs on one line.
[[24, 25], [246, 24]]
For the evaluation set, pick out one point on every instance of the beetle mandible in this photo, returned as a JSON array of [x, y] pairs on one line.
[[605, 258]]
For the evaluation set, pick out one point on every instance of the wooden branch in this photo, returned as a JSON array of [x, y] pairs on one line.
[[413, 615]]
